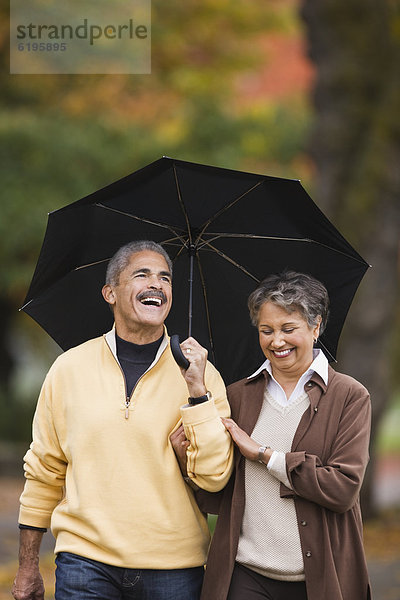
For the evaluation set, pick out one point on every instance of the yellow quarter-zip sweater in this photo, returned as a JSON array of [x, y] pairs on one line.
[[110, 486]]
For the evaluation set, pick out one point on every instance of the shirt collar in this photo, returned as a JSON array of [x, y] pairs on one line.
[[319, 365]]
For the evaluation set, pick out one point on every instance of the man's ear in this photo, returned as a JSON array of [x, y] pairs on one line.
[[108, 294]]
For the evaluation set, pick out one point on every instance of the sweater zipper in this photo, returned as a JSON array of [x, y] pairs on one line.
[[127, 398], [127, 405]]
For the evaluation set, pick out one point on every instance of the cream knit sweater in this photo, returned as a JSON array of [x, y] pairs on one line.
[[111, 486], [269, 542]]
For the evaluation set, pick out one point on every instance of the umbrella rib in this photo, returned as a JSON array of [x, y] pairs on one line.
[[178, 242], [233, 262], [182, 205], [217, 236], [98, 262], [144, 220], [203, 285], [325, 349], [92, 264], [25, 305], [227, 207]]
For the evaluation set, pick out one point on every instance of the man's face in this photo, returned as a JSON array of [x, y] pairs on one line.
[[143, 296]]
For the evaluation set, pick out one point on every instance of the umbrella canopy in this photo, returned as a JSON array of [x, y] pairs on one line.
[[224, 231]]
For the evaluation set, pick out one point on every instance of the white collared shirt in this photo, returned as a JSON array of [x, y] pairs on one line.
[[319, 366]]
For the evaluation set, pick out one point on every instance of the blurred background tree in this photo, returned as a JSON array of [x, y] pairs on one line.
[[355, 146], [230, 86]]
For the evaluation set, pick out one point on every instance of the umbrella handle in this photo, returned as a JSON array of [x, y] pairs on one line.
[[177, 353]]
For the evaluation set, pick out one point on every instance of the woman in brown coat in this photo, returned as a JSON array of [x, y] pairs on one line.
[[289, 525]]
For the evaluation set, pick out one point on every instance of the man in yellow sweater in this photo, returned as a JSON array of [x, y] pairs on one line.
[[101, 470]]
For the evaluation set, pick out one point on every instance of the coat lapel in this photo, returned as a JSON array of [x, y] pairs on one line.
[[314, 388], [250, 409]]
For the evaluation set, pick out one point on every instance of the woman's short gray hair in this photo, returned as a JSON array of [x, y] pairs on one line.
[[293, 292], [121, 258]]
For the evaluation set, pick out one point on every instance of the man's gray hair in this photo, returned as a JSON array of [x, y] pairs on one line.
[[121, 258], [293, 292]]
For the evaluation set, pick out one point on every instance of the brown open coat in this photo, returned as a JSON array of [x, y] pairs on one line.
[[325, 468]]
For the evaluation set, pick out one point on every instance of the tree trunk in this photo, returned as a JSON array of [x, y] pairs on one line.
[[356, 148]]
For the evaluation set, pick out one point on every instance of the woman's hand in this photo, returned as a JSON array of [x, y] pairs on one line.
[[180, 444], [247, 446]]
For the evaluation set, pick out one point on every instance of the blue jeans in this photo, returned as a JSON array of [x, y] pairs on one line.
[[79, 578]]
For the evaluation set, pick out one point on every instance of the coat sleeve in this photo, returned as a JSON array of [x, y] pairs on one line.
[[44, 465], [335, 483], [210, 453]]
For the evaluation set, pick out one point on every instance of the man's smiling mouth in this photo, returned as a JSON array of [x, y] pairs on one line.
[[152, 301], [152, 298]]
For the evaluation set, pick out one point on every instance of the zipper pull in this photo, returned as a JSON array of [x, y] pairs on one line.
[[127, 404]]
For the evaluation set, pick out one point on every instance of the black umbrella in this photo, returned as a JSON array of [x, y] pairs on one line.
[[224, 230]]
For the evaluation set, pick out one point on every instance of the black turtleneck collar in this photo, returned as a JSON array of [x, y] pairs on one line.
[[135, 359]]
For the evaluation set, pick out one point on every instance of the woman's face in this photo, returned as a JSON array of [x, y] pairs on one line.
[[286, 339]]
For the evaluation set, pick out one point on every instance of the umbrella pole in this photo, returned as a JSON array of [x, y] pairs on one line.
[[176, 350], [192, 252]]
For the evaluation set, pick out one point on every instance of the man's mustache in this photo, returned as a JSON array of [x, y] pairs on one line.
[[152, 294]]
